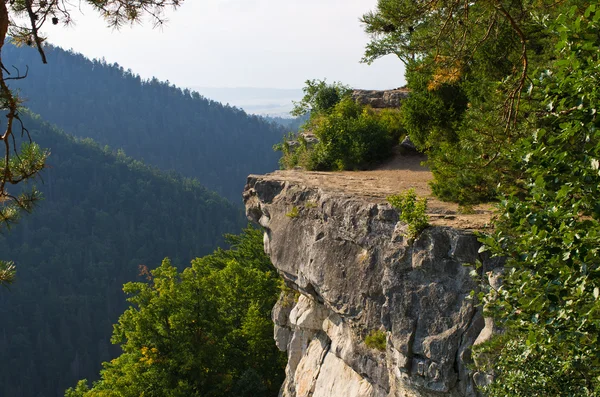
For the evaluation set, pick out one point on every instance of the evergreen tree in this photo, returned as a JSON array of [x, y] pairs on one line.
[[152, 121]]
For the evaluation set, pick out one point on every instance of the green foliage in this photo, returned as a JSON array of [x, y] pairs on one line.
[[466, 67], [24, 167], [376, 340], [7, 272], [412, 211], [205, 331], [79, 390], [320, 97], [550, 233], [431, 116], [523, 125], [294, 213], [391, 121], [350, 136]]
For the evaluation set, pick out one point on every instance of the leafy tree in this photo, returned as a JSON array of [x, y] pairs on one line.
[[203, 332], [104, 218], [549, 302], [320, 97], [467, 67], [411, 210], [348, 135]]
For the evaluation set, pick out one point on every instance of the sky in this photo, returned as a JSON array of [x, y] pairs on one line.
[[240, 43]]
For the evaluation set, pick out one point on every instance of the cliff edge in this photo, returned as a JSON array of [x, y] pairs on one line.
[[341, 249]]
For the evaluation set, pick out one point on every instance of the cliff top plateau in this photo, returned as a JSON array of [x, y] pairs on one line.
[[402, 172]]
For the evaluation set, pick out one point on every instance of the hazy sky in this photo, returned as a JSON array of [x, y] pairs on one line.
[[240, 43]]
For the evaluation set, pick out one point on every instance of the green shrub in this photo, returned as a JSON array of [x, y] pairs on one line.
[[376, 340], [391, 121], [350, 137], [412, 211], [294, 213], [320, 97]]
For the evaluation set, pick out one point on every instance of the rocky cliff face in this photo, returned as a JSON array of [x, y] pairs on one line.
[[352, 273]]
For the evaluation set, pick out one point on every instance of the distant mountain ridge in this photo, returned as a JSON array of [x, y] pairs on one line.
[[165, 126], [275, 102]]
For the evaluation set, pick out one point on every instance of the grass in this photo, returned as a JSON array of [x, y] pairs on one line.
[[376, 340]]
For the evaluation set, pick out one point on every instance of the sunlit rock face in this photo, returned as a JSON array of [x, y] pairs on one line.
[[351, 272], [380, 99]]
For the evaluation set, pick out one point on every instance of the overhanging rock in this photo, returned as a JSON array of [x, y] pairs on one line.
[[355, 274]]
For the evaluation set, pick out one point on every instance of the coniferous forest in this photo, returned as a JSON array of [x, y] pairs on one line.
[[152, 121], [104, 219]]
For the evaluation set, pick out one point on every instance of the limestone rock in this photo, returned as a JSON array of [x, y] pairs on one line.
[[380, 99], [408, 145], [355, 272]]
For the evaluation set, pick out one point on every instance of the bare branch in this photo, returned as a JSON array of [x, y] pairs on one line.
[[34, 30], [18, 76], [514, 98]]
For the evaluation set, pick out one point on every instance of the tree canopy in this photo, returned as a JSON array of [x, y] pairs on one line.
[[152, 121], [340, 134], [205, 331], [469, 66]]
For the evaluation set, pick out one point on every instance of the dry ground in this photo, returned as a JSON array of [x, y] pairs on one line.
[[400, 173]]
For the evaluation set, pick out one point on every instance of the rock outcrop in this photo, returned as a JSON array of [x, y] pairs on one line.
[[351, 272], [380, 99]]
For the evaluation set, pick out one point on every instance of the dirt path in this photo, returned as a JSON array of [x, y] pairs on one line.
[[400, 173]]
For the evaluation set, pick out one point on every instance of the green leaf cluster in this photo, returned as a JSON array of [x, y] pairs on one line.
[[504, 100], [549, 300], [320, 97], [205, 331], [411, 210], [467, 66]]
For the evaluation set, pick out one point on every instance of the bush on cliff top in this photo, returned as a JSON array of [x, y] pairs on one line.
[[350, 136]]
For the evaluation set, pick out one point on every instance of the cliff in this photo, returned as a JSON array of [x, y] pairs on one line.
[[340, 248]]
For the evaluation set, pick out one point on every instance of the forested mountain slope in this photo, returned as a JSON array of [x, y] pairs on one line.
[[151, 120], [104, 216]]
